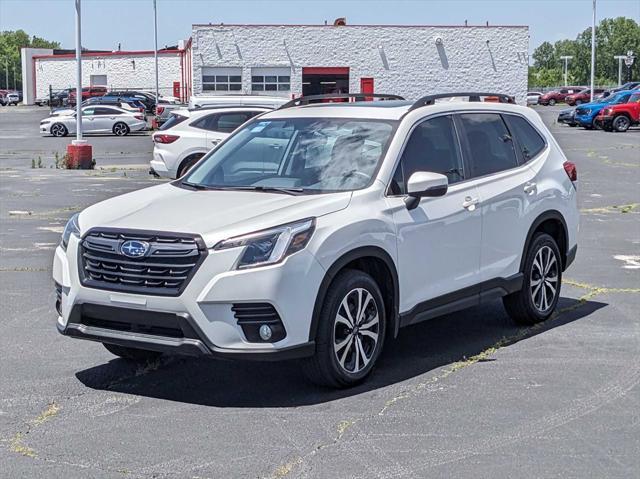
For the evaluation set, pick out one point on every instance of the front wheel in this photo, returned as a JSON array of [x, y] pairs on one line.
[[132, 354], [120, 129], [621, 123], [540, 291], [58, 129], [552, 102], [351, 331]]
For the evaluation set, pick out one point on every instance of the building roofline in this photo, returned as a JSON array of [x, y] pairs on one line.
[[218, 25], [121, 53]]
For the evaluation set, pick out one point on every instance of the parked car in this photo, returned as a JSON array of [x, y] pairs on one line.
[[557, 96], [42, 101], [132, 101], [13, 98], [568, 117], [165, 110], [532, 97], [632, 85], [87, 92], [316, 232], [95, 119], [189, 135], [60, 98], [583, 96], [587, 113], [132, 106], [221, 100], [3, 98], [620, 116], [147, 99]]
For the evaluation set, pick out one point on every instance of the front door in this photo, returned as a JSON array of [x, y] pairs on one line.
[[438, 241]]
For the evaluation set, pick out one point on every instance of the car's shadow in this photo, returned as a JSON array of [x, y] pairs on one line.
[[417, 350]]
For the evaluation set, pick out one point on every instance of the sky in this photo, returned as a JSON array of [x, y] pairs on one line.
[[105, 23]]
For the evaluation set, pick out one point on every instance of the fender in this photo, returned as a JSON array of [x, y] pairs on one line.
[[338, 265], [547, 215]]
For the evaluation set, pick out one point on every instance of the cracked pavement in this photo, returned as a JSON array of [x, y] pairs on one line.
[[466, 395]]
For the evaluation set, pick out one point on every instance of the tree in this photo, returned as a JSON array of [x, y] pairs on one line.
[[614, 36], [10, 44]]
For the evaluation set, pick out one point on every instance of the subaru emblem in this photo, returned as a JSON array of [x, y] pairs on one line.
[[134, 249]]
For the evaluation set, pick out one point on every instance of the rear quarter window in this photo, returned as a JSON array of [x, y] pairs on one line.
[[528, 140]]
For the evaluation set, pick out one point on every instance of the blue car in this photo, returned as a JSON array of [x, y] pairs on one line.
[[586, 114]]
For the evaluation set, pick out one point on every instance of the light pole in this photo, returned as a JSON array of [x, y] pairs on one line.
[[6, 72], [628, 61], [566, 59], [155, 48], [620, 59], [78, 72], [593, 49]]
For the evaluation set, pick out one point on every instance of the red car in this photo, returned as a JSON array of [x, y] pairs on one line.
[[621, 116], [557, 96], [87, 92], [583, 96]]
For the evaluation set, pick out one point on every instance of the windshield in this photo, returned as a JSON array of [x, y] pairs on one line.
[[304, 154]]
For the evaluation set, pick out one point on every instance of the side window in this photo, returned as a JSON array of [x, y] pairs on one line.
[[209, 122], [432, 146], [528, 139], [490, 144], [228, 122], [105, 111], [88, 112]]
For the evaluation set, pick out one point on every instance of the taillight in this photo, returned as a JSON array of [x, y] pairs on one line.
[[138, 117], [571, 170], [164, 138], [159, 110]]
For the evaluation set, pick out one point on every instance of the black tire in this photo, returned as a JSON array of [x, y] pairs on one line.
[[325, 368], [621, 123], [188, 163], [120, 129], [59, 130], [552, 102], [527, 307], [572, 125], [132, 354]]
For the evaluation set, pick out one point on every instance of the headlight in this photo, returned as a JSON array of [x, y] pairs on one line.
[[270, 246], [607, 111], [71, 228]]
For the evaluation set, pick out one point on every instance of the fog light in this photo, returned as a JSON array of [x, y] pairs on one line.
[[265, 332]]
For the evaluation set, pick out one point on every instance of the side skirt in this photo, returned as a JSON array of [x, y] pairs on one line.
[[462, 299]]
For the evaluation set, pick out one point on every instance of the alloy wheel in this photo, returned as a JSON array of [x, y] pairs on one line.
[[57, 130], [544, 279], [120, 129], [621, 123], [356, 330]]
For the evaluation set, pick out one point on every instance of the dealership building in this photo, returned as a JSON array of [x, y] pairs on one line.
[[294, 60]]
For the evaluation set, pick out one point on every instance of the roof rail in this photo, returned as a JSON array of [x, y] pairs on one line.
[[229, 105], [305, 100], [473, 96]]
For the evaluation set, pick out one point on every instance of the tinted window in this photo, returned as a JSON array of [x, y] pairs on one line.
[[432, 146], [172, 121], [529, 140], [106, 111], [490, 145], [227, 122]]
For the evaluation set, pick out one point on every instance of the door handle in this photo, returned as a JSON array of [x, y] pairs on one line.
[[215, 142], [530, 187], [470, 203]]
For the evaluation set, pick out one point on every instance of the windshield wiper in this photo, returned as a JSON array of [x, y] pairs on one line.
[[195, 186], [272, 189]]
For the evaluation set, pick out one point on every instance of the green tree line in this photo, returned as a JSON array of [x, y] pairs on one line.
[[10, 44], [614, 36]]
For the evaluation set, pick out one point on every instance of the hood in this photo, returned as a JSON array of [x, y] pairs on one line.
[[213, 214]]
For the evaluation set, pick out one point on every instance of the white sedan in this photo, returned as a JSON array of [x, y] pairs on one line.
[[533, 97], [189, 134], [95, 119]]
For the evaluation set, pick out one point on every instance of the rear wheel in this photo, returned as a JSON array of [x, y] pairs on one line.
[[621, 123], [132, 354], [552, 102], [188, 163], [350, 332], [120, 129], [540, 291], [58, 129]]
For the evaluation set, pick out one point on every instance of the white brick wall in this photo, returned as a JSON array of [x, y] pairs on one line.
[[60, 73], [415, 65]]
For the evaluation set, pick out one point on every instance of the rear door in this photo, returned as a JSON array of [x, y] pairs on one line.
[[89, 124], [506, 187], [105, 118]]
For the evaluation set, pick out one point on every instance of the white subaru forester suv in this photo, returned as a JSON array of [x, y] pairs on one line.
[[316, 231]]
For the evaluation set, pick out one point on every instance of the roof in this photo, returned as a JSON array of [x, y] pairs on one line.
[[385, 110], [222, 25]]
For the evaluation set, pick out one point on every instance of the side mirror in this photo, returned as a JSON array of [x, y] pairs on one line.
[[424, 184]]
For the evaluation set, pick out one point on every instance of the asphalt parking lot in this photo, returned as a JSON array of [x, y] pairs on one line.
[[466, 395]]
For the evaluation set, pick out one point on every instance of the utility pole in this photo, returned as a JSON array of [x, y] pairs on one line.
[[593, 49], [6, 72], [566, 59], [155, 48], [620, 59]]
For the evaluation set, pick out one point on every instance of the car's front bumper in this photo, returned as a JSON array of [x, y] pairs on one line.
[[203, 311]]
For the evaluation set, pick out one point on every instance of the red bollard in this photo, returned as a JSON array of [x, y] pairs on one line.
[[79, 156]]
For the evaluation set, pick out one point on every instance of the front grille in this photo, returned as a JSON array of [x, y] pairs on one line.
[[166, 268], [131, 321]]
